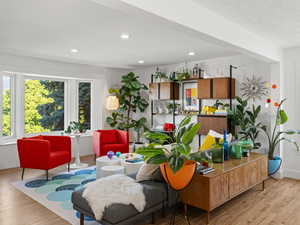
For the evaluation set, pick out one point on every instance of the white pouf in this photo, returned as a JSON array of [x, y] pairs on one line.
[[105, 161], [111, 170]]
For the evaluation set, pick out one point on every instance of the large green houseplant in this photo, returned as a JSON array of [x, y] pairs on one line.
[[177, 161], [245, 118], [275, 136], [131, 101]]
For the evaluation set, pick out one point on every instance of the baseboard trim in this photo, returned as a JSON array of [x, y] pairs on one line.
[[290, 173], [278, 175]]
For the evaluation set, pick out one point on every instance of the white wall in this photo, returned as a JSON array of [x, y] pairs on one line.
[[219, 67], [103, 79], [291, 84]]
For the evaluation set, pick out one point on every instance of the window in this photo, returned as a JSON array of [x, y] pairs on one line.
[[7, 106], [35, 104], [44, 105], [84, 104]]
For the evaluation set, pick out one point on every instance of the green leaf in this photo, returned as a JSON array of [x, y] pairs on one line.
[[157, 159], [196, 156], [185, 121], [156, 137], [176, 163], [282, 117], [188, 136], [150, 150]]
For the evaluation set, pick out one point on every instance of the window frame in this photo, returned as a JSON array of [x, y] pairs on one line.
[[13, 107], [66, 97], [71, 103], [77, 101]]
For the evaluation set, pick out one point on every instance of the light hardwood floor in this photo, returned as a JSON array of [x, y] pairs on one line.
[[279, 204]]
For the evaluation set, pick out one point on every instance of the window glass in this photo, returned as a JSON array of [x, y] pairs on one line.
[[7, 106], [84, 110], [44, 106]]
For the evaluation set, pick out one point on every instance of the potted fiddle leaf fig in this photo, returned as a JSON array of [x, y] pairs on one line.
[[177, 161], [275, 136], [132, 101]]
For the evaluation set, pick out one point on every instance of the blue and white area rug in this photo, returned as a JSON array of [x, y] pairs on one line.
[[56, 193]]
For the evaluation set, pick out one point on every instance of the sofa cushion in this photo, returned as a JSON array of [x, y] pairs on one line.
[[109, 137], [155, 194], [146, 172], [39, 137], [58, 158]]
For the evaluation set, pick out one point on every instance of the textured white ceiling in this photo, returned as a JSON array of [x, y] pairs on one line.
[[277, 20], [49, 29]]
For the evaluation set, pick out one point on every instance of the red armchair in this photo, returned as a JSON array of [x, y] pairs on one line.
[[110, 140], [44, 152]]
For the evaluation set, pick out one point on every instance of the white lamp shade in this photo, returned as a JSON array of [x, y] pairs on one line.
[[112, 103]]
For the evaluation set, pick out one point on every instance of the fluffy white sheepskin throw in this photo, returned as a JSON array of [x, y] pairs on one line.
[[114, 189]]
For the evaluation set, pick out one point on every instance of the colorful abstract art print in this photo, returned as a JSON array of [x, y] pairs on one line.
[[190, 97]]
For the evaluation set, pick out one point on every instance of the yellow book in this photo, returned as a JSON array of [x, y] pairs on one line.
[[208, 142]]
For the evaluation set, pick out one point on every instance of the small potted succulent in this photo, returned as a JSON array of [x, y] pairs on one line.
[[177, 161]]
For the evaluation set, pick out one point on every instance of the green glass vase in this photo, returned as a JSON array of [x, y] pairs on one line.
[[217, 155], [236, 151]]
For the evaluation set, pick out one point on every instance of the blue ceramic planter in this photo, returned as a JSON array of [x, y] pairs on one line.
[[274, 165]]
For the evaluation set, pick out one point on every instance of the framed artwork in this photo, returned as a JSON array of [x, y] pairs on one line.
[[190, 97]]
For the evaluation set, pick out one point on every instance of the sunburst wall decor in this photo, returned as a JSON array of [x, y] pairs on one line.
[[254, 88]]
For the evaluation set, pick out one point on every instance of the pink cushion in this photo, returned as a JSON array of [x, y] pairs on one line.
[[109, 137]]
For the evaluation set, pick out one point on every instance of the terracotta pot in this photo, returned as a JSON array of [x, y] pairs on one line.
[[183, 176]]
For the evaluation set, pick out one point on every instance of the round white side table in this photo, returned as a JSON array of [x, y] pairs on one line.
[[111, 170], [77, 164], [131, 168], [105, 161]]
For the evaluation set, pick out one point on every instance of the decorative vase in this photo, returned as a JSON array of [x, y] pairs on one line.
[[110, 154], [217, 155], [236, 151], [274, 165], [247, 146], [182, 177]]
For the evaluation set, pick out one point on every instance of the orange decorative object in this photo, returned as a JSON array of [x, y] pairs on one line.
[[274, 86], [276, 104], [182, 178]]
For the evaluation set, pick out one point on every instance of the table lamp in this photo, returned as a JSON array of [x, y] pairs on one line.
[[112, 102]]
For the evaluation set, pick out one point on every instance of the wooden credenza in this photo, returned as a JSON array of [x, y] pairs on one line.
[[229, 179]]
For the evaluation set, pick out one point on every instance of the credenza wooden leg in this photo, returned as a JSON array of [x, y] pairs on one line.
[[263, 185], [207, 217]]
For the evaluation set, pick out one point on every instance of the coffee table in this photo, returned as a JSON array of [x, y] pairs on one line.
[[129, 167], [111, 170], [105, 161]]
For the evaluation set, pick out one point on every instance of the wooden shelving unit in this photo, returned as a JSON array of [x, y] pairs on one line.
[[208, 88]]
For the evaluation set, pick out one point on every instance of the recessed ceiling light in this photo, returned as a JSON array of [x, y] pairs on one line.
[[124, 36], [141, 61], [74, 50], [191, 53]]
